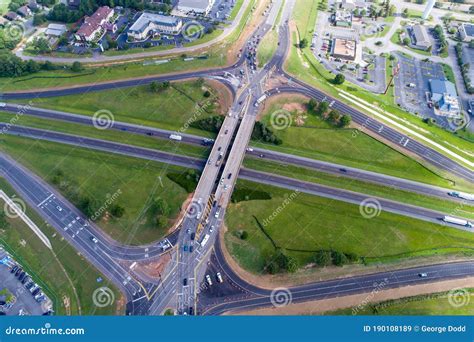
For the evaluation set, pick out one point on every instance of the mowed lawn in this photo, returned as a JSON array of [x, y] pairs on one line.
[[66, 277], [98, 175], [434, 304], [267, 47], [303, 223], [171, 109], [312, 137]]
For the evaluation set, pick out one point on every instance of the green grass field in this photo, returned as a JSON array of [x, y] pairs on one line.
[[267, 47], [432, 304], [300, 224], [317, 139], [170, 109], [59, 272], [305, 66], [98, 175]]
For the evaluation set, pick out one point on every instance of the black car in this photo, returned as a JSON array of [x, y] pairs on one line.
[[185, 281], [18, 271], [343, 170], [22, 276], [35, 292], [14, 268], [191, 248], [193, 235], [25, 280], [191, 310], [29, 285], [149, 133], [229, 175]]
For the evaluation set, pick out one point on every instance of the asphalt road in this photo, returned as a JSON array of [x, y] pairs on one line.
[[258, 297], [281, 158]]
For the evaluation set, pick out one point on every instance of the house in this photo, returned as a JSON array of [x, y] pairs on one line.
[[420, 37], [444, 97], [32, 5], [344, 48], [95, 26], [24, 11], [56, 30], [201, 7], [11, 16], [150, 23], [466, 32]]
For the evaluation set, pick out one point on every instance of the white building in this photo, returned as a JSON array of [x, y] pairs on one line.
[[201, 7], [56, 30], [151, 23]]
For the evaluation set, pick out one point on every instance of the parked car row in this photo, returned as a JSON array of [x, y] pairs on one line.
[[28, 283]]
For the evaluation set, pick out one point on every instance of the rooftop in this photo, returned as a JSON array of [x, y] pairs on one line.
[[443, 87], [92, 23], [201, 4], [469, 29], [142, 22], [344, 47], [420, 35]]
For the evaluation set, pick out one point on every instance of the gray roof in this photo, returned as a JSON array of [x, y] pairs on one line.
[[443, 87], [421, 37], [199, 4], [147, 17], [469, 29]]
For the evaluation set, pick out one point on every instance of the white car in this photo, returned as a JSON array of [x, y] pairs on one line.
[[3, 104], [208, 279], [219, 277]]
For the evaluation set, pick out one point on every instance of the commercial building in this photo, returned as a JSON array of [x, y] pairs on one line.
[[466, 32], [344, 48], [201, 7], [95, 26], [351, 4], [444, 98], [420, 37], [343, 18], [150, 23]]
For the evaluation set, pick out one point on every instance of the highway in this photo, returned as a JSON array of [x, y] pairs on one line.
[[264, 154], [184, 279]]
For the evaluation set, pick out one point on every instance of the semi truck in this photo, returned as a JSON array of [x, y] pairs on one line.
[[458, 221], [463, 195], [205, 239]]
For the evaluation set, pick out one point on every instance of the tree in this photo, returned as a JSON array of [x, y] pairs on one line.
[[207, 93], [471, 44], [303, 43], [312, 104], [322, 108], [471, 10], [406, 41], [117, 210], [338, 258], [345, 121], [339, 79], [244, 235], [39, 19], [405, 13], [322, 258], [3, 220], [41, 45], [76, 66]]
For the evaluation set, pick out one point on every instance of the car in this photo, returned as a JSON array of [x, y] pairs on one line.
[[36, 291], [229, 175], [14, 268], [22, 276], [2, 104], [185, 248], [188, 230], [219, 277], [18, 271], [94, 240], [208, 280], [185, 281], [191, 310], [29, 285], [343, 170], [191, 248], [211, 229], [226, 131], [59, 208], [422, 275], [193, 236], [25, 280], [149, 133]]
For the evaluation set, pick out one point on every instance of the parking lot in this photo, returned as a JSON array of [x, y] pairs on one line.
[[412, 86], [19, 294]]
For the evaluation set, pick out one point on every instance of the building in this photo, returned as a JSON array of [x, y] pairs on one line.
[[351, 4], [466, 32], [33, 5], [95, 26], [201, 7], [150, 24], [343, 18], [420, 37], [11, 16], [344, 48], [56, 30], [444, 97], [24, 11]]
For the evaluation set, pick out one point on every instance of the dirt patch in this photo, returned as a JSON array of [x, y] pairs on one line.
[[120, 307], [284, 101], [153, 269], [67, 305], [320, 306], [224, 96], [182, 212]]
